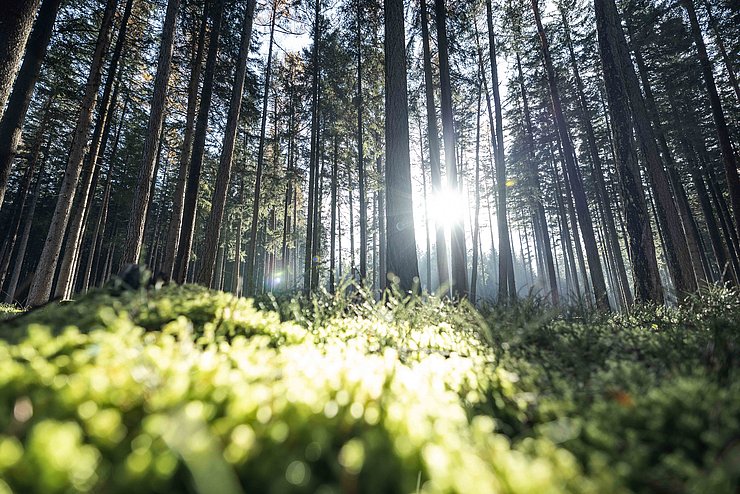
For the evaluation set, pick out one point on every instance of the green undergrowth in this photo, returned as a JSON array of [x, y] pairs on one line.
[[182, 389]]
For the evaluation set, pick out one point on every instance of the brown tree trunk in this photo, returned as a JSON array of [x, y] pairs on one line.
[[579, 196], [313, 161], [187, 228], [506, 282], [459, 272], [723, 133], [14, 116], [44, 277], [402, 262], [173, 230], [598, 170], [140, 202], [15, 26], [90, 172], [433, 136], [640, 244], [218, 201], [20, 253]]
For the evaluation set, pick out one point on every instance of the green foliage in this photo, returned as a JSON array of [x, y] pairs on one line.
[[182, 389], [8, 311]]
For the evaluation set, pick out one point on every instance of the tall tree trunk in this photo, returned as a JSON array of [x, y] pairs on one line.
[[434, 162], [15, 26], [402, 262], [187, 228], [178, 198], [476, 222], [579, 196], [44, 277], [218, 201], [237, 274], [90, 172], [360, 152], [382, 249], [677, 251], [313, 161], [459, 272], [723, 50], [723, 133], [92, 269], [598, 170], [506, 283], [140, 202], [19, 204], [14, 116], [640, 243], [687, 217], [332, 229], [251, 254], [537, 191], [28, 216]]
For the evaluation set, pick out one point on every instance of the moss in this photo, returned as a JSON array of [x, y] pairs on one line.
[[182, 389]]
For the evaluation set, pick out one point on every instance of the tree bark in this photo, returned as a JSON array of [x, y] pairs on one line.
[[598, 170], [723, 133], [140, 202], [15, 26], [91, 170], [178, 198], [579, 196], [14, 116], [402, 262], [43, 279], [459, 272], [218, 201], [434, 162], [640, 244], [506, 282], [187, 228], [313, 161]]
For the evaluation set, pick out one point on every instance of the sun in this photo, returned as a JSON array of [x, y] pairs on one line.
[[446, 208]]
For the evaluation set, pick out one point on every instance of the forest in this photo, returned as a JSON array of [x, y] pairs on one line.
[[369, 246]]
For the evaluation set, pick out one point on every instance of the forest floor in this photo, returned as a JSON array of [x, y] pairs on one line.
[[183, 389]]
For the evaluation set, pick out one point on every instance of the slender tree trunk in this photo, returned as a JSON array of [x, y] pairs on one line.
[[383, 250], [640, 243], [506, 286], [402, 262], [537, 190], [252, 252], [28, 216], [677, 251], [723, 133], [236, 278], [581, 204], [723, 50], [90, 172], [332, 229], [178, 198], [598, 170], [476, 222], [313, 161], [14, 116], [187, 228], [19, 204], [15, 26], [218, 201], [459, 272], [434, 161], [360, 152], [92, 269], [43, 279], [139, 205]]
